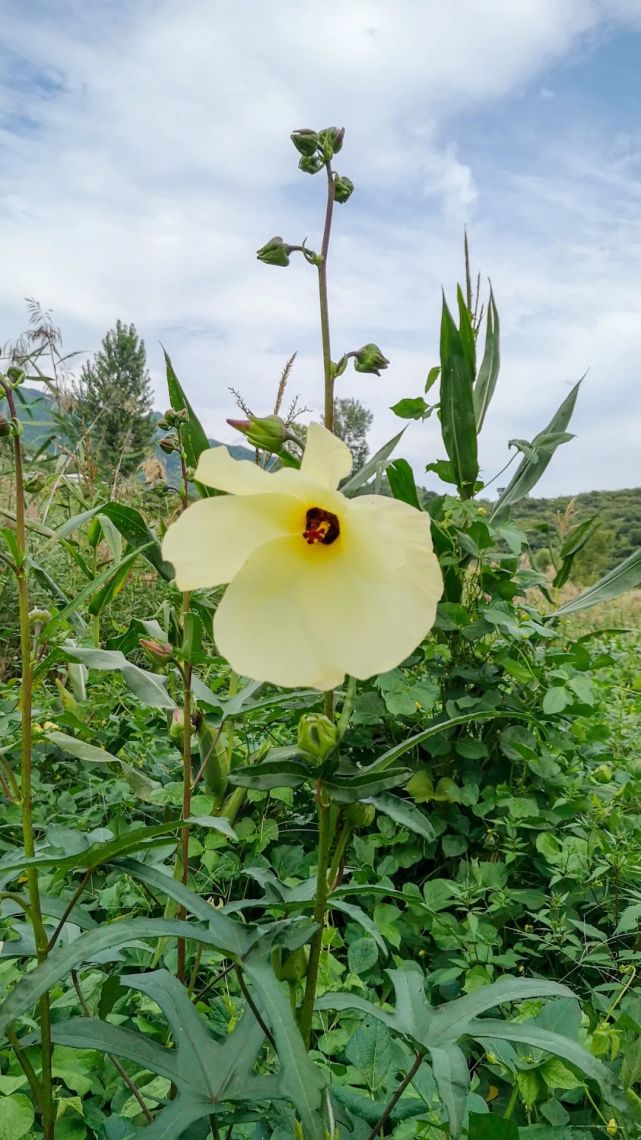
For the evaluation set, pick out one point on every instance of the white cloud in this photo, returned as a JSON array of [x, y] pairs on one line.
[[146, 156]]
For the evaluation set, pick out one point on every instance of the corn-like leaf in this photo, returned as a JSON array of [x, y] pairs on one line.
[[626, 576], [490, 364], [458, 422]]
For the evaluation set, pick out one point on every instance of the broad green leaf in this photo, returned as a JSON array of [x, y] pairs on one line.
[[458, 423], [487, 1126], [370, 1051], [411, 408], [559, 1046], [300, 1080], [89, 753], [96, 854], [402, 483], [150, 688], [374, 466], [405, 813], [489, 370], [452, 1076], [16, 1117], [626, 576], [530, 470]]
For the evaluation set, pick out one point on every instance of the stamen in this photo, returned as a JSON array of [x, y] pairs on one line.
[[321, 526]]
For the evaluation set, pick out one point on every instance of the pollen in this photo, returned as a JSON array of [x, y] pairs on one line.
[[321, 526]]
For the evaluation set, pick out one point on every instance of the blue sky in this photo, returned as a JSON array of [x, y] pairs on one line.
[[146, 156]]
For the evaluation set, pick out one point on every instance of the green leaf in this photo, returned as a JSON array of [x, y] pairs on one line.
[[458, 422], [362, 955], [558, 1045], [370, 1051], [402, 483], [490, 364], [16, 1117], [193, 434], [374, 466], [490, 1127], [556, 699], [150, 688], [358, 915], [544, 445], [278, 773], [626, 576], [406, 813], [452, 1076], [83, 595], [411, 408], [96, 854], [348, 788], [89, 753], [436, 729]]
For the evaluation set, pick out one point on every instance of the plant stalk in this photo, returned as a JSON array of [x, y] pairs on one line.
[[328, 416], [320, 906], [26, 793]]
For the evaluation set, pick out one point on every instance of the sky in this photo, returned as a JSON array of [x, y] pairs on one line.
[[145, 156]]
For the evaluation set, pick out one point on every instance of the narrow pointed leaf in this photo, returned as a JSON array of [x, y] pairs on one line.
[[490, 364], [458, 422], [626, 576], [530, 470], [452, 1078], [374, 466]]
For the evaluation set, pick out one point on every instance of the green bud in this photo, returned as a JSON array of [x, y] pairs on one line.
[[311, 163], [6, 429], [603, 774], [331, 141], [369, 358], [267, 432], [35, 481], [39, 617], [343, 188], [168, 444], [305, 141], [339, 368], [16, 376], [274, 252], [177, 726], [360, 814], [172, 418], [294, 968], [317, 736]]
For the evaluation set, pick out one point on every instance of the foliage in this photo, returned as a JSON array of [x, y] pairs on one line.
[[114, 401], [471, 902], [352, 421]]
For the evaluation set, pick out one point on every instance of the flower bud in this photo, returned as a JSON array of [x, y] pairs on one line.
[[305, 141], [331, 141], [173, 417], [612, 1127], [39, 617], [168, 444], [34, 481], [294, 968], [16, 376], [266, 432], [317, 736], [177, 725], [5, 428], [360, 814], [343, 188], [157, 650], [369, 358], [274, 252], [311, 163]]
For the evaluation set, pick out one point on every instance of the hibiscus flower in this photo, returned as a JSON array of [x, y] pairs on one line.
[[318, 585]]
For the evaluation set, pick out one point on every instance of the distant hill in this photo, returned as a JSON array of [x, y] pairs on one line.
[[36, 410], [620, 511]]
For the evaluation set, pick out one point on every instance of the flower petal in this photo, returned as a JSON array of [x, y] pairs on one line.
[[211, 540], [217, 468], [327, 459], [264, 626]]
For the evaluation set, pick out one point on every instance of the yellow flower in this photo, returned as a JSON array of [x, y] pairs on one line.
[[319, 585]]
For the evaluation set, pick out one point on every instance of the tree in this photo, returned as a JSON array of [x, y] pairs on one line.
[[115, 401], [352, 421]]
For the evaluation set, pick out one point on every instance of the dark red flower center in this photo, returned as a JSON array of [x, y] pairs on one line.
[[321, 526]]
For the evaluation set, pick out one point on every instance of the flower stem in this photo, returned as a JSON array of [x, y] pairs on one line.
[[320, 905], [328, 417], [26, 689], [336, 869], [187, 779]]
